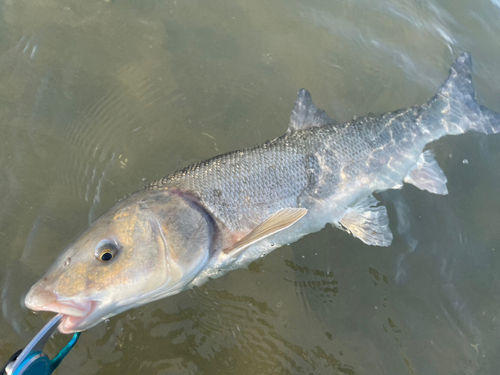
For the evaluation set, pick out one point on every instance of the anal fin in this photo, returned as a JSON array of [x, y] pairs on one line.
[[428, 175], [275, 223], [368, 222]]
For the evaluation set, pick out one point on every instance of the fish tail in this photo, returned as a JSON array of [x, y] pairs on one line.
[[454, 109], [492, 121]]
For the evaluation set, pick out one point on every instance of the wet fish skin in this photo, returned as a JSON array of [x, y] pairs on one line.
[[323, 169], [307, 166]]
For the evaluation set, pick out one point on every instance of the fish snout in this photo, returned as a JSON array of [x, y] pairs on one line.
[[41, 298]]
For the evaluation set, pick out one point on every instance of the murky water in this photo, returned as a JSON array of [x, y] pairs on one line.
[[98, 98]]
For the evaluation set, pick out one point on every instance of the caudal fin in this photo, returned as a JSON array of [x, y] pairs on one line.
[[454, 110], [492, 123]]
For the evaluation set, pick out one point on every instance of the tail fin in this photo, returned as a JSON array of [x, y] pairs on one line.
[[492, 121], [454, 107]]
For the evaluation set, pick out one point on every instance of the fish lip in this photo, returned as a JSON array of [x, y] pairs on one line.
[[71, 323], [74, 313]]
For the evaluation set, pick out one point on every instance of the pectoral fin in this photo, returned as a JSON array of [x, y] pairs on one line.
[[427, 175], [275, 223], [368, 222]]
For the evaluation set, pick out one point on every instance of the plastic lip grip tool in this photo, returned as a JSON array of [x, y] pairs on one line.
[[32, 360]]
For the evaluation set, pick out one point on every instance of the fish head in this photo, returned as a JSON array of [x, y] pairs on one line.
[[146, 247]]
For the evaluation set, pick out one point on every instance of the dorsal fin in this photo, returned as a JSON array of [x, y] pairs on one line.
[[306, 115]]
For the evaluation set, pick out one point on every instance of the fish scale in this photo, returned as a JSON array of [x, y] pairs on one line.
[[254, 182], [257, 181]]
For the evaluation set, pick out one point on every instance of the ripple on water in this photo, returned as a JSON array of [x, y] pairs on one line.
[[216, 331], [313, 284], [99, 140]]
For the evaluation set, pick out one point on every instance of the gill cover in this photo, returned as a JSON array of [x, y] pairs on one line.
[[186, 232]]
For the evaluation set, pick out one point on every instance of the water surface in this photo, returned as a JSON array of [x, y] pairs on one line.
[[98, 98]]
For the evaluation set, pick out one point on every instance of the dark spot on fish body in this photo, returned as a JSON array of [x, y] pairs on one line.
[[144, 205]]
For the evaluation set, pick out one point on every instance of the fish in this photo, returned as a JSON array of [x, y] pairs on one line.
[[224, 213]]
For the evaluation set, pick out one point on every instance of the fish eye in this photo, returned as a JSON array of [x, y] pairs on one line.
[[105, 256], [106, 250]]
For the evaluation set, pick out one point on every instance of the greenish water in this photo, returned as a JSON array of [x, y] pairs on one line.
[[98, 98]]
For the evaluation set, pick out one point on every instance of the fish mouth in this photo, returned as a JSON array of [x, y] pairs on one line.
[[77, 315]]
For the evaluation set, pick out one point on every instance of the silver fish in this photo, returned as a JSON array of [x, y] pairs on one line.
[[225, 212]]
